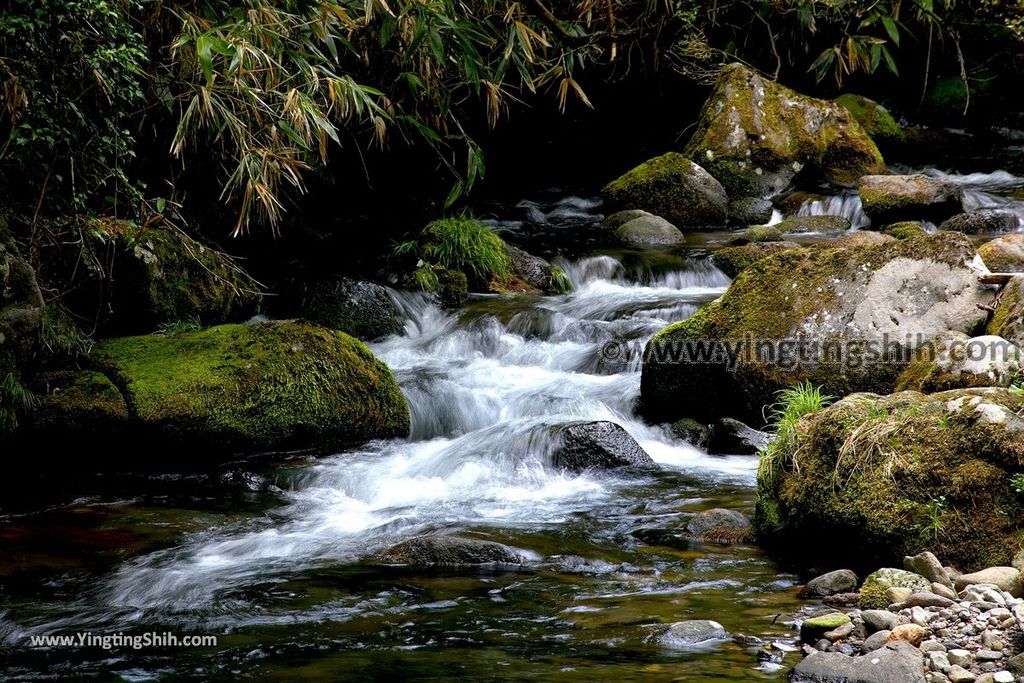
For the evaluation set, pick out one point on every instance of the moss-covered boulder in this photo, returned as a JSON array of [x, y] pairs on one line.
[[757, 233], [638, 228], [674, 187], [356, 307], [1004, 254], [982, 222], [254, 387], [875, 478], [893, 198], [733, 260], [78, 406], [755, 136], [1008, 320], [162, 275], [448, 551], [955, 361], [874, 119], [801, 224], [844, 318], [905, 230]]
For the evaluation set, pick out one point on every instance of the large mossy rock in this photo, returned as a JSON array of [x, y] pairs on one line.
[[161, 275], [1008, 320], [875, 478], [734, 260], [356, 307], [674, 187], [902, 293], [1004, 254], [755, 136], [894, 198], [255, 387]]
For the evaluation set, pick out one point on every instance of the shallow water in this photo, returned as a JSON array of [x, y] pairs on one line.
[[270, 554]]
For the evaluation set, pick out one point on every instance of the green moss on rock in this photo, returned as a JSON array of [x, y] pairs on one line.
[[256, 387], [829, 297], [79, 404], [876, 478], [873, 118], [905, 230], [1008, 320], [161, 275], [1004, 254], [755, 136], [673, 187], [733, 260]]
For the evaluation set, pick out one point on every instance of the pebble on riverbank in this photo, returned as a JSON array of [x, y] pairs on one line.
[[971, 635]]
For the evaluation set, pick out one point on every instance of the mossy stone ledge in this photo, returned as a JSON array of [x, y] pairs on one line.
[[873, 478], [901, 293], [257, 387], [673, 187]]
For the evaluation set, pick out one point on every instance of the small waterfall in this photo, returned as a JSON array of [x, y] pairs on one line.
[[846, 204]]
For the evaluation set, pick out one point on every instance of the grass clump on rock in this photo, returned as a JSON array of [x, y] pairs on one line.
[[461, 244]]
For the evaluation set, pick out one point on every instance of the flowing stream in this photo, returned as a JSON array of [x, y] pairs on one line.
[[286, 585], [272, 555]]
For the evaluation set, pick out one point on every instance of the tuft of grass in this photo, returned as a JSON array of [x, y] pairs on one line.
[[61, 336], [461, 243], [560, 282], [15, 399], [179, 327], [934, 523], [791, 406]]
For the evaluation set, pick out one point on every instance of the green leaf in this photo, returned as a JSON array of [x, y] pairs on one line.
[[890, 61], [891, 29], [204, 51]]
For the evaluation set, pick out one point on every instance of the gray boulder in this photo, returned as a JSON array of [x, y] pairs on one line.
[[895, 663], [732, 437], [893, 198], [750, 211], [832, 583], [692, 432], [448, 551], [879, 620], [928, 566], [359, 308], [674, 187], [1004, 254], [642, 229], [690, 633], [982, 221], [597, 445]]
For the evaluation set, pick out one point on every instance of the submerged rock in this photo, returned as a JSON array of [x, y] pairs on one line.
[[755, 136], [361, 309], [1004, 254], [981, 221], [839, 581], [732, 437], [691, 632], [448, 551], [895, 663], [254, 387], [720, 526], [674, 187], [871, 478], [893, 198], [598, 445], [844, 302]]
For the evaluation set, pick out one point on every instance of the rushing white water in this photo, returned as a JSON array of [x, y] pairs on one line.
[[484, 387], [846, 204]]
